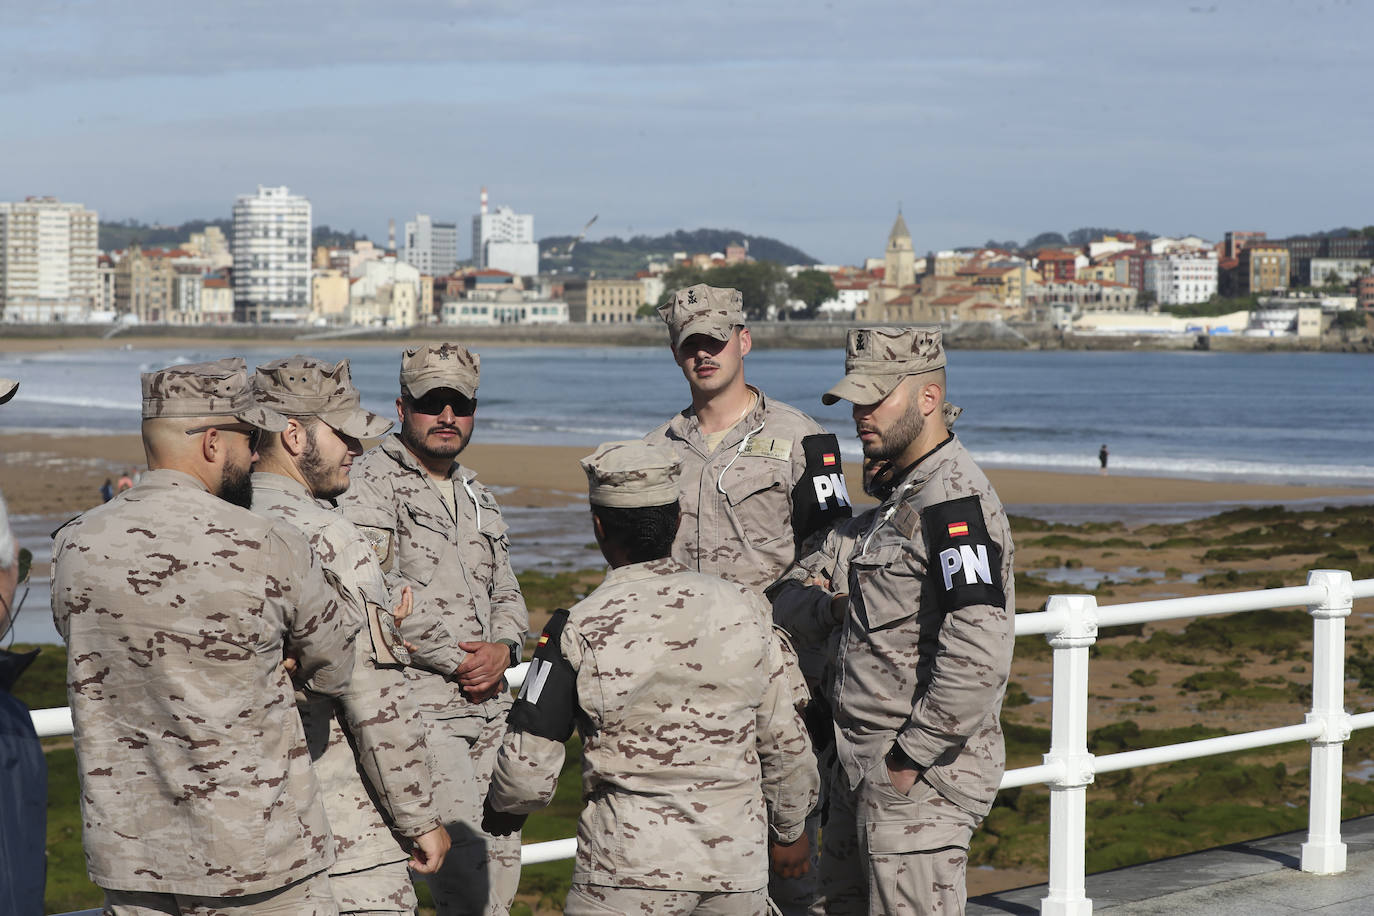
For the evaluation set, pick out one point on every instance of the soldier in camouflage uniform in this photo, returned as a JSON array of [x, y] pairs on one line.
[[758, 476], [369, 748], [693, 755], [926, 632], [439, 531], [178, 607]]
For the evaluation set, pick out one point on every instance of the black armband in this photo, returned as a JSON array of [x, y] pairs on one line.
[[965, 562], [820, 498], [547, 705]]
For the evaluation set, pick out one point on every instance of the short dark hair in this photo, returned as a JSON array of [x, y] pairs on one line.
[[646, 532]]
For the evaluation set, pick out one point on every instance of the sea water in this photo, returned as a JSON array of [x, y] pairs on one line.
[[1266, 417]]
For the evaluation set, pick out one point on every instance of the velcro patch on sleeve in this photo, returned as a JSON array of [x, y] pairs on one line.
[[820, 498], [965, 562], [547, 705], [381, 541]]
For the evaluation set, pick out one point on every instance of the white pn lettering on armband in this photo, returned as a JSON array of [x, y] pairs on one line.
[[972, 560], [535, 680], [828, 485]]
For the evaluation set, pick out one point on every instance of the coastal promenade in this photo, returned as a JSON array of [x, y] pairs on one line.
[[1256, 878], [969, 335]]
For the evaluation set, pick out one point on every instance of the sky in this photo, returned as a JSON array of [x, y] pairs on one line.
[[811, 122]]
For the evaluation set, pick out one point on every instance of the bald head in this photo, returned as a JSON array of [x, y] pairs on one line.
[[217, 451]]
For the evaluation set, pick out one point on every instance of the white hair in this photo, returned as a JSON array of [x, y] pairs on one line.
[[7, 553]]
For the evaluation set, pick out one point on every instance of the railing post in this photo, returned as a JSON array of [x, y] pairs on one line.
[[1069, 752], [1324, 853]]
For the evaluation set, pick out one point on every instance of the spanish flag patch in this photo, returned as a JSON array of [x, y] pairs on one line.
[[958, 529], [828, 459], [543, 640]]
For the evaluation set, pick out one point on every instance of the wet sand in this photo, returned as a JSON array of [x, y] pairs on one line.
[[61, 474]]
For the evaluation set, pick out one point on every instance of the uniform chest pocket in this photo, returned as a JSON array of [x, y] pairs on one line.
[[759, 504], [420, 545], [889, 583]]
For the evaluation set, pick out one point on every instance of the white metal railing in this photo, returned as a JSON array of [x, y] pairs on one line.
[[1071, 622]]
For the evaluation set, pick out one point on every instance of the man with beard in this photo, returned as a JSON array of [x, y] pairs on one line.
[[179, 607], [926, 630], [758, 478], [368, 748], [437, 530]]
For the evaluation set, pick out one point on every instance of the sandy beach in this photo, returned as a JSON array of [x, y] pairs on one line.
[[61, 474]]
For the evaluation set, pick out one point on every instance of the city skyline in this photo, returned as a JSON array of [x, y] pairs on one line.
[[804, 122]]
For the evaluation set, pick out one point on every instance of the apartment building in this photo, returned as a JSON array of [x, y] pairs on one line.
[[48, 252], [271, 249], [603, 301]]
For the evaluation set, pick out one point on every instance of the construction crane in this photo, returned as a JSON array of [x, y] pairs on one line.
[[558, 254]]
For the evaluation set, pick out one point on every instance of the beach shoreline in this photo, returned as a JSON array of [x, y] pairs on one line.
[[60, 473]]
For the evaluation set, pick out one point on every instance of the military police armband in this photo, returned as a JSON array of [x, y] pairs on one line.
[[965, 562], [547, 705], [820, 497]]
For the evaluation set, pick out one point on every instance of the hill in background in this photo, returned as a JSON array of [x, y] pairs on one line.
[[616, 256], [117, 236]]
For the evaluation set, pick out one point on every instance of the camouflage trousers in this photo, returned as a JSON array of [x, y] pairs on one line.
[[310, 897], [380, 889], [600, 900], [481, 873], [884, 852]]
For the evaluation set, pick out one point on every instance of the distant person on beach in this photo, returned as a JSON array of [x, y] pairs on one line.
[[106, 491], [23, 769], [367, 747], [758, 476], [126, 481], [435, 528], [694, 756], [1102, 458], [925, 621], [179, 608]]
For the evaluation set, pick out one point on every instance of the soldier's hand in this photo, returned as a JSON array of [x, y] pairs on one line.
[[499, 823], [790, 860], [481, 673], [407, 604], [839, 606], [427, 851]]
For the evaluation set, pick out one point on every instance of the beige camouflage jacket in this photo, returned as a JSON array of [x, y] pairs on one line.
[[375, 710], [737, 501], [693, 754], [460, 572], [926, 644], [177, 608]]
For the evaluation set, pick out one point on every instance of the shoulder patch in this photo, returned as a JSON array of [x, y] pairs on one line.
[[777, 449], [380, 539], [965, 562], [820, 497], [547, 705]]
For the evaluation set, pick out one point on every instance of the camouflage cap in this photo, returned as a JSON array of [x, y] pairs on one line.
[[217, 389], [701, 309], [443, 365], [631, 474], [302, 386], [8, 387], [876, 359]]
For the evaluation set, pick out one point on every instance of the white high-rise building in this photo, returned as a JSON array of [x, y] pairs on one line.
[[504, 240], [1182, 278], [48, 252], [430, 247], [271, 248]]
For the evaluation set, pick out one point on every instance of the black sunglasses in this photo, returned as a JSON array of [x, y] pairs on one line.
[[253, 433], [433, 403]]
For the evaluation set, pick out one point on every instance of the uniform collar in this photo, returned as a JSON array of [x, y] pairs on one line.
[[914, 476], [393, 446], [12, 664], [685, 427], [648, 570], [165, 478], [266, 480]]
